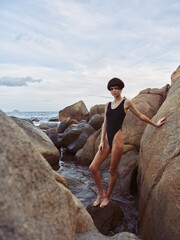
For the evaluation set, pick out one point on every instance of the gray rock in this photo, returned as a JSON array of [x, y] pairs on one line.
[[75, 136], [65, 124]]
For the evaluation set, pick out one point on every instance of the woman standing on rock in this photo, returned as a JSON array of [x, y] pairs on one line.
[[112, 139]]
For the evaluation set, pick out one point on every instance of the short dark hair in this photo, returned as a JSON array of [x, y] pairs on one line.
[[115, 82]]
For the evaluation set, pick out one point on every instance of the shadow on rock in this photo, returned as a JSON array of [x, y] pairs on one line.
[[107, 218]]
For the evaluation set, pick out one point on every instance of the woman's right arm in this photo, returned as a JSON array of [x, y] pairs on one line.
[[103, 133]]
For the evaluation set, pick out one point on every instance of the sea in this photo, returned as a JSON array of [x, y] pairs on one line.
[[42, 117]]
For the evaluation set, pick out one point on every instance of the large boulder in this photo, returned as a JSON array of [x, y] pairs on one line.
[[147, 102], [77, 111], [41, 141], [96, 109], [33, 204], [127, 172], [158, 176]]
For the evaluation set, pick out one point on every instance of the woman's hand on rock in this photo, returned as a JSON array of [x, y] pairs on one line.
[[161, 121]]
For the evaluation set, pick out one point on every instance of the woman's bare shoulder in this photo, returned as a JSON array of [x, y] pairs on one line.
[[128, 102]]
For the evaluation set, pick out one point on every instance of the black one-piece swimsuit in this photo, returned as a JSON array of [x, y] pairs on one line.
[[114, 119]]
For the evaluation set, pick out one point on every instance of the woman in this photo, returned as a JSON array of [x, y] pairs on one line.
[[112, 139]]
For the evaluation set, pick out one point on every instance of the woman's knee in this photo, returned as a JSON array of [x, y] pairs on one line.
[[92, 168]]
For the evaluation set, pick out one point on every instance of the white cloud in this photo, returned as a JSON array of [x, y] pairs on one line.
[[75, 47], [14, 81]]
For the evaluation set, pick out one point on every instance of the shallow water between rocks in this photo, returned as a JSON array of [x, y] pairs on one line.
[[81, 184]]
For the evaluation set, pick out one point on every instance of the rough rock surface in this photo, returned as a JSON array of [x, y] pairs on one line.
[[159, 173], [96, 109], [59, 178], [127, 173], [175, 75], [147, 102], [41, 141], [76, 111], [33, 204], [95, 235]]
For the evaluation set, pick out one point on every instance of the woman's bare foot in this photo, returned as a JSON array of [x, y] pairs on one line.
[[105, 202], [98, 200]]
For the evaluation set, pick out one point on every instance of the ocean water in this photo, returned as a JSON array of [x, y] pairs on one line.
[[41, 116]]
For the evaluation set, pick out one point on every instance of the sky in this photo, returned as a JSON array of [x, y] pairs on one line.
[[54, 53]]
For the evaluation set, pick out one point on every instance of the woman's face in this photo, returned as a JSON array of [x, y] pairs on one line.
[[115, 91]]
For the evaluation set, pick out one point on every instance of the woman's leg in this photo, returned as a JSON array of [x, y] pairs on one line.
[[97, 161], [116, 153]]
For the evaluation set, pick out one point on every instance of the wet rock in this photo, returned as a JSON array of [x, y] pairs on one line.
[[54, 119], [106, 219], [75, 136], [158, 175], [65, 124], [35, 120], [76, 111], [70, 135], [53, 135], [41, 141], [96, 121], [33, 204], [85, 155], [68, 157]]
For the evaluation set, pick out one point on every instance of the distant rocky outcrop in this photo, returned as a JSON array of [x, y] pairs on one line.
[[41, 141], [158, 173], [76, 111]]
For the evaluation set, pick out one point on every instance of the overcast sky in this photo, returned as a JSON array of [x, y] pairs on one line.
[[54, 53]]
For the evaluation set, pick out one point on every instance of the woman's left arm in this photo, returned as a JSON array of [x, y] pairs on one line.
[[129, 105]]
